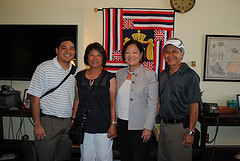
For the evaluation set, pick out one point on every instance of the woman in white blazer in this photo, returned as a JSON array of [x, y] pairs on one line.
[[137, 96]]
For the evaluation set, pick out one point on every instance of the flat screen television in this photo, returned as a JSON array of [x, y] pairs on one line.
[[24, 47]]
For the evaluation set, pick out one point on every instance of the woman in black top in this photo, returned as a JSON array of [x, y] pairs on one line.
[[100, 127]]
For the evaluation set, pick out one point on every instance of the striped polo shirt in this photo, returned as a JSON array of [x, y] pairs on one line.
[[47, 76]]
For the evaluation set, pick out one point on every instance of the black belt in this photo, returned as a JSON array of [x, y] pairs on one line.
[[50, 116], [170, 121]]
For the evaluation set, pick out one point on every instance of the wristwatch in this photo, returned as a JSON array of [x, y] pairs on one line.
[[114, 122], [191, 132]]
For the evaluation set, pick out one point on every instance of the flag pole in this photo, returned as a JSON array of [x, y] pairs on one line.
[[97, 9]]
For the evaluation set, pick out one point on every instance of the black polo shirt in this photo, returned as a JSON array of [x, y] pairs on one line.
[[178, 91]]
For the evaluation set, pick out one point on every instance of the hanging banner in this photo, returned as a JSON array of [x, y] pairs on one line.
[[151, 27]]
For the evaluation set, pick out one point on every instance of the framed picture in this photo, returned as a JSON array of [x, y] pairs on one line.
[[238, 100], [222, 58], [26, 99]]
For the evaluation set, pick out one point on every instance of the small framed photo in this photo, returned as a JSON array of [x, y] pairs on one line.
[[238, 100], [222, 61], [26, 99]]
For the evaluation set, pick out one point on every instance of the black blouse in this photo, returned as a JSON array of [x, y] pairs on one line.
[[99, 113]]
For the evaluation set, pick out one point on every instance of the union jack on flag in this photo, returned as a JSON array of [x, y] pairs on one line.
[[128, 23], [159, 35], [149, 65], [117, 55], [151, 27]]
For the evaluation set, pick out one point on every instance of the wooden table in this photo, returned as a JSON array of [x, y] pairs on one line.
[[225, 119]]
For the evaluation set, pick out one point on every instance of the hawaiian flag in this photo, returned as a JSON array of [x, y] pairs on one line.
[[151, 27]]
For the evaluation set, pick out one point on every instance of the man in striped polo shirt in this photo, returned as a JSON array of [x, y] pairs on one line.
[[52, 113]]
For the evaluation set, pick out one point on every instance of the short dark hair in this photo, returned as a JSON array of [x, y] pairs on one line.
[[139, 46], [65, 38], [97, 46]]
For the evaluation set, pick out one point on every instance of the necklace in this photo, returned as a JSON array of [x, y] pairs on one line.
[[130, 72], [91, 82], [91, 76]]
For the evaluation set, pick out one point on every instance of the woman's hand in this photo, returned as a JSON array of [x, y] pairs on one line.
[[146, 134], [112, 131]]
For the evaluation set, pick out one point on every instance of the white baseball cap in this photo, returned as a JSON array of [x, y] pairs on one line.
[[176, 43]]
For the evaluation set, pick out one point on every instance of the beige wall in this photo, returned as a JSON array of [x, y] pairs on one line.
[[207, 17]]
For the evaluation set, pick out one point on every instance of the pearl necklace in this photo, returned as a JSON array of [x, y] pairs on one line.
[[130, 72]]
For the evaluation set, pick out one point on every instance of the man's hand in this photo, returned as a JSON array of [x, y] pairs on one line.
[[39, 132], [188, 139]]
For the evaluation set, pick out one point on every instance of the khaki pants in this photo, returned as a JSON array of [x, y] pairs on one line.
[[170, 147], [57, 144]]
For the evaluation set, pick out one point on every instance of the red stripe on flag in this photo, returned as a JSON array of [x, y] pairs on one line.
[[155, 55], [106, 31], [121, 62], [114, 28], [150, 28], [112, 69], [121, 31], [153, 20], [162, 59], [150, 12]]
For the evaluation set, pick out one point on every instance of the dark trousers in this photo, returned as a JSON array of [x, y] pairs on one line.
[[131, 145]]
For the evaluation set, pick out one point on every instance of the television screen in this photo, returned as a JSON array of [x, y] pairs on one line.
[[24, 47]]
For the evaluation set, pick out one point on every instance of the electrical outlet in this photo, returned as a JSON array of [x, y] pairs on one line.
[[193, 63], [207, 137]]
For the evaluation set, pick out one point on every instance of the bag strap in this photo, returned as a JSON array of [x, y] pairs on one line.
[[72, 71], [102, 76]]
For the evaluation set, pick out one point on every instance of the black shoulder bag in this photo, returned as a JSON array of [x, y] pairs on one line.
[[72, 71], [76, 133]]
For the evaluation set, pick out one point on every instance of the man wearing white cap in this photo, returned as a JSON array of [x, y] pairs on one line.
[[179, 98]]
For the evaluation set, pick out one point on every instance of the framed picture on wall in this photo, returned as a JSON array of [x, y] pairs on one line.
[[222, 58]]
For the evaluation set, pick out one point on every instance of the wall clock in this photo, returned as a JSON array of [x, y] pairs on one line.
[[182, 6]]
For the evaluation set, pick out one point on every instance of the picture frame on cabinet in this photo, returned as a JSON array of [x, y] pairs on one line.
[[238, 100], [26, 99]]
